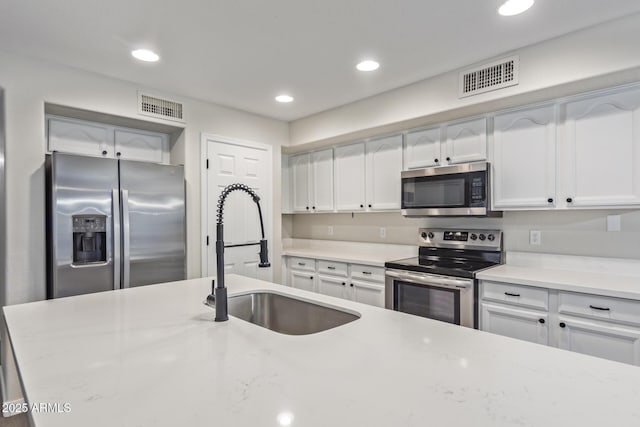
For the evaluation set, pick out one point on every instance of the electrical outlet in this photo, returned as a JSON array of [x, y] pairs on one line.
[[330, 230], [383, 232], [613, 223], [535, 237]]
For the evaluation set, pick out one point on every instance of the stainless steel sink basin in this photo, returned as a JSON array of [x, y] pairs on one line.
[[287, 315]]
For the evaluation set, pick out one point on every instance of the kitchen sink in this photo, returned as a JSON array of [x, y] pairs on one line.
[[286, 314]]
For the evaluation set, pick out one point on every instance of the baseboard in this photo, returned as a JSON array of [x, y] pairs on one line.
[[13, 406]]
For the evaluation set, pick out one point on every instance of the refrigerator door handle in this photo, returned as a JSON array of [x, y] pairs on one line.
[[126, 269], [115, 211]]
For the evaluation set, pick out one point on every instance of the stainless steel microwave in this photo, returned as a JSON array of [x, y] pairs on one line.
[[456, 190]]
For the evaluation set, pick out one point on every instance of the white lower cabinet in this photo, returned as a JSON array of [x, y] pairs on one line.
[[596, 325], [601, 339], [356, 282], [515, 322]]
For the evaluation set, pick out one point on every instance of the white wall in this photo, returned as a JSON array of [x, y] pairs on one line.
[[554, 64], [28, 84]]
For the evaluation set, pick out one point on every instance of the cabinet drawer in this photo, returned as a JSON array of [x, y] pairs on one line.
[[599, 307], [525, 296], [333, 268], [305, 264], [367, 272]]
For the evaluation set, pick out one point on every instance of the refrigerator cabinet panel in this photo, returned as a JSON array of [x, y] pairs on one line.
[[153, 223], [82, 198]]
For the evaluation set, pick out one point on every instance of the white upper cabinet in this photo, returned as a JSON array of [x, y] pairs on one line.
[[322, 180], [603, 150], [350, 177], [524, 159], [300, 171], [422, 149], [97, 139], [142, 146], [466, 141], [80, 137], [383, 168]]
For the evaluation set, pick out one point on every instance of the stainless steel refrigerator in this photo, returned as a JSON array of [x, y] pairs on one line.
[[112, 224]]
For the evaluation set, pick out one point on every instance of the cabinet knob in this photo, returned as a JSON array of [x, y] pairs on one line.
[[569, 200], [435, 160], [313, 207], [311, 277], [562, 324], [104, 152], [118, 154], [542, 321], [369, 205], [448, 159], [549, 200], [351, 285], [343, 284], [362, 206], [307, 207]]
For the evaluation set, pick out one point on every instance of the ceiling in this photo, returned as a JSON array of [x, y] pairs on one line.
[[242, 53]]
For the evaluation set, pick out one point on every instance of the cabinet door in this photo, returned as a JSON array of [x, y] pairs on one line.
[[527, 325], [333, 286], [304, 280], [349, 173], [384, 165], [79, 137], [422, 149], [367, 293], [301, 174], [466, 142], [524, 159], [603, 158], [141, 146], [322, 180], [600, 339]]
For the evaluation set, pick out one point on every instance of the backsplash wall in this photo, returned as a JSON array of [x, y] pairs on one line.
[[563, 232]]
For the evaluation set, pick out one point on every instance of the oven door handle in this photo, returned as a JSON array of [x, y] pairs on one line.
[[431, 279]]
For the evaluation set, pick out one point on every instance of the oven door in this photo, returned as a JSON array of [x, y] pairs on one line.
[[446, 191], [444, 298]]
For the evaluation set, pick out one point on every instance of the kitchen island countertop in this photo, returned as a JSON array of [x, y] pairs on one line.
[[152, 356]]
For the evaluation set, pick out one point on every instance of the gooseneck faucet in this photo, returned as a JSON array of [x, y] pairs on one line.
[[219, 290]]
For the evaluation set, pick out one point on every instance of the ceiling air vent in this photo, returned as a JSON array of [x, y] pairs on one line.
[[157, 107], [487, 77]]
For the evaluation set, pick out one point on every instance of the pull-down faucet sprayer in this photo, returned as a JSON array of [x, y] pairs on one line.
[[219, 291]]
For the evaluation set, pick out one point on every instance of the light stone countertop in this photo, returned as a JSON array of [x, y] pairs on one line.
[[152, 357], [375, 254]]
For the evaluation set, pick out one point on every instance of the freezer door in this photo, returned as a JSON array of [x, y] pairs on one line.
[[153, 223], [82, 198]]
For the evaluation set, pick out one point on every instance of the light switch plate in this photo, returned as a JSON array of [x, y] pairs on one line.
[[613, 223], [535, 237]]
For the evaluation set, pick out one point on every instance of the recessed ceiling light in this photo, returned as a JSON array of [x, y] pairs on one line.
[[367, 65], [284, 98], [145, 55], [514, 7]]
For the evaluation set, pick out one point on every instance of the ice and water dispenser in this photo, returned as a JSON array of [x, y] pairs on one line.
[[89, 239]]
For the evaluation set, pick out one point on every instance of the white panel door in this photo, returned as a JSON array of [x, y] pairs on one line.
[[422, 149], [142, 146], [527, 325], [601, 339], [350, 176], [333, 286], [231, 163], [466, 142], [301, 175], [367, 293], [603, 159], [322, 180], [80, 137], [383, 168], [304, 280], [524, 159]]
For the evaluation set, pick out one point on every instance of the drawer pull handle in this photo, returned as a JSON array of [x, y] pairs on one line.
[[542, 321], [600, 308], [331, 268], [366, 272], [302, 263], [562, 324], [511, 295]]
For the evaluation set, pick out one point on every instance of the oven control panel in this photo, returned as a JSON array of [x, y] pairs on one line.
[[456, 238]]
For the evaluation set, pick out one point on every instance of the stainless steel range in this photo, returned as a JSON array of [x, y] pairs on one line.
[[440, 283]]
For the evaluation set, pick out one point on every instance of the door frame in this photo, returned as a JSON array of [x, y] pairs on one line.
[[206, 217]]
